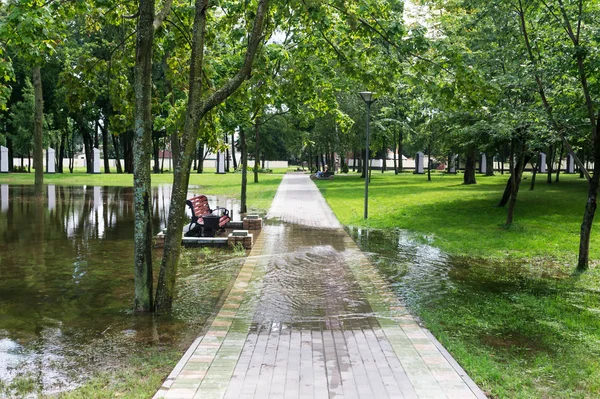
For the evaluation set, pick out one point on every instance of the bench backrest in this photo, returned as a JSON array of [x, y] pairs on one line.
[[199, 205]]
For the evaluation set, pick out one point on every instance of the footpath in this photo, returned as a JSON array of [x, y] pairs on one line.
[[309, 317]]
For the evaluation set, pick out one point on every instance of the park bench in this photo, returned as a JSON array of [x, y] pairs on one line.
[[204, 220], [327, 175]]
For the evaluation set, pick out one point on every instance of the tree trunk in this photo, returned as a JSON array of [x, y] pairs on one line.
[[550, 163], [197, 108], [535, 166], [38, 132], [354, 161], [489, 162], [116, 144], [96, 133], [227, 155], [128, 151], [429, 163], [87, 146], [64, 142], [590, 211], [516, 183], [400, 150], [582, 157], [72, 152], [469, 176], [562, 148], [142, 150], [508, 188], [155, 154], [244, 148], [105, 145], [256, 148], [200, 157], [364, 164], [235, 165], [9, 145], [395, 154]]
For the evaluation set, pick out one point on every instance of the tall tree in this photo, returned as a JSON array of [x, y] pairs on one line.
[[198, 106]]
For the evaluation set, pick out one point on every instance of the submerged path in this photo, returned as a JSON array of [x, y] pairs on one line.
[[309, 317]]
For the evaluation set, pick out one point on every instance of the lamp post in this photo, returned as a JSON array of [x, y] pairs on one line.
[[368, 98]]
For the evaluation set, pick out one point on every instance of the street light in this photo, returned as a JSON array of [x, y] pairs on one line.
[[368, 98]]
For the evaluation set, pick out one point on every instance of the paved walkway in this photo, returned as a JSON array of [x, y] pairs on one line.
[[309, 317]]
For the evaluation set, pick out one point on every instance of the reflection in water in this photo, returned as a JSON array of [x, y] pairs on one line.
[[422, 275], [415, 269], [66, 284], [4, 197]]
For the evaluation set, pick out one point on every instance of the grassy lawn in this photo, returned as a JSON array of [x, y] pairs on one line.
[[464, 220], [515, 316], [260, 195]]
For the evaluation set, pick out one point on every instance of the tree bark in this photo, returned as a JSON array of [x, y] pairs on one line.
[[256, 148], [38, 132], [116, 144], [429, 162], [400, 150], [9, 145], [549, 164], [87, 145], [535, 167], [64, 142], [395, 154], [560, 155], [227, 155], [588, 214], [142, 150], [489, 161], [197, 108], [235, 165], [469, 176], [364, 164], [200, 157], [244, 148], [105, 144], [516, 176]]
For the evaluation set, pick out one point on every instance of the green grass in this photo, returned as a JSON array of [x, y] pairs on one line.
[[260, 195], [512, 311], [139, 378], [464, 220], [535, 336]]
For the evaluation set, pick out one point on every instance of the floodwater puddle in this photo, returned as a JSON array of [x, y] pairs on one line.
[[420, 273], [66, 286]]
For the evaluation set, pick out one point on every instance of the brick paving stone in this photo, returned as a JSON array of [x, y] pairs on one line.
[[308, 316]]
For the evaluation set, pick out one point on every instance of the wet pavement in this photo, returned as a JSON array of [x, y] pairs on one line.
[[309, 317]]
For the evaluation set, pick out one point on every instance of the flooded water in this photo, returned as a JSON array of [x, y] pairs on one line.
[[66, 284], [421, 274], [307, 280]]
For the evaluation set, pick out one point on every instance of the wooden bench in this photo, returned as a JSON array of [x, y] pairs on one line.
[[201, 209]]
